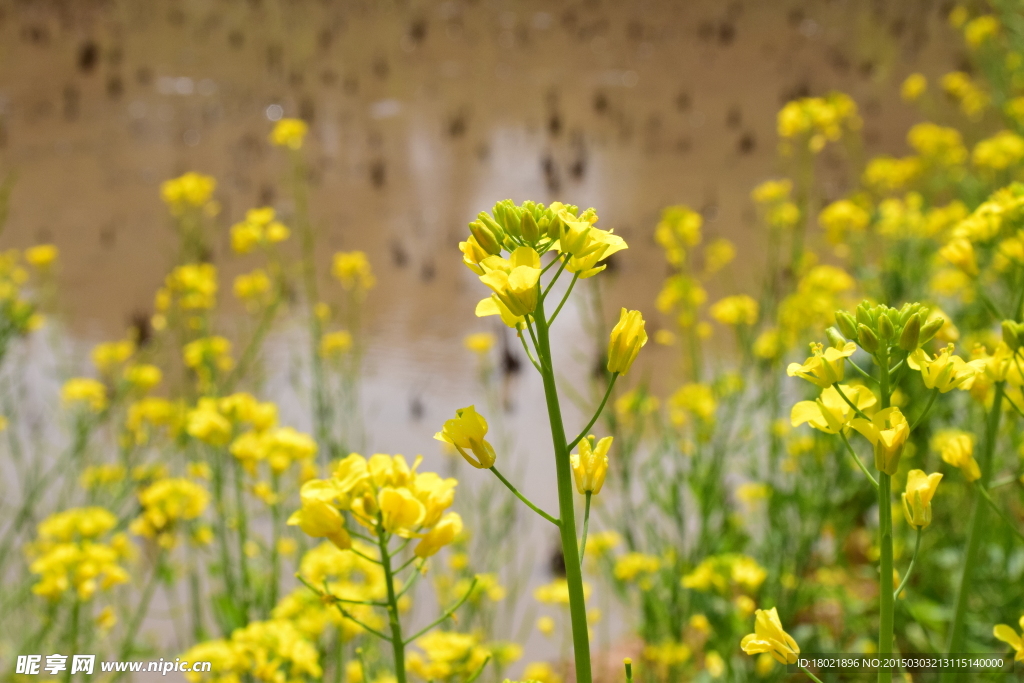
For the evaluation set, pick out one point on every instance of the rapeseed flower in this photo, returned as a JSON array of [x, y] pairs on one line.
[[289, 133], [1009, 636], [626, 339], [352, 269], [830, 413], [466, 431], [165, 503], [86, 392], [189, 190], [946, 371], [917, 499], [735, 310], [913, 87], [769, 637], [825, 367], [590, 465], [887, 431]]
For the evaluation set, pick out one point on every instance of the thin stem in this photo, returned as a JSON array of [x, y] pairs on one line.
[[566, 511], [140, 612], [447, 613], [586, 526], [275, 535], [1002, 515], [523, 498], [412, 581], [862, 372], [397, 642], [365, 556], [910, 567], [565, 262], [856, 410], [810, 675], [597, 414], [526, 348], [856, 458], [927, 409], [978, 526], [565, 298], [886, 602], [480, 670]]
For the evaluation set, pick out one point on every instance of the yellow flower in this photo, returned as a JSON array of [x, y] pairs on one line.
[[289, 133], [692, 399], [842, 217], [41, 256], [735, 310], [334, 344], [772, 191], [441, 535], [401, 510], [557, 592], [590, 465], [593, 246], [546, 625], [479, 343], [946, 371], [980, 30], [937, 145], [318, 517], [830, 413], [769, 637], [714, 664], [253, 288], [718, 254], [973, 100], [84, 391], [917, 499], [823, 368], [957, 449], [207, 424], [516, 282], [447, 656], [166, 502], [352, 269], [631, 565], [887, 431], [189, 190], [1012, 638], [466, 431], [143, 376], [96, 476], [626, 339], [913, 87], [541, 672], [1000, 152]]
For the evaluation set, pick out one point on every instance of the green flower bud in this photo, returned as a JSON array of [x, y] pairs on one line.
[[911, 333], [485, 237], [834, 338], [867, 339], [886, 331], [847, 324], [929, 330], [530, 229], [1013, 334]]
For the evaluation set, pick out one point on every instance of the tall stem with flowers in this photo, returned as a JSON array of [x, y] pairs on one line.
[[528, 304]]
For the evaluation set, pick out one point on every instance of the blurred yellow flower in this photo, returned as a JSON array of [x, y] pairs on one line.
[[289, 133], [917, 499]]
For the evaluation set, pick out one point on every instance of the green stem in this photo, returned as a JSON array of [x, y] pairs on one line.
[[856, 410], [523, 498], [910, 567], [856, 458], [140, 613], [566, 511], [447, 613], [810, 675], [243, 538], [564, 299], [1002, 515], [956, 631], [397, 642], [597, 414], [275, 535], [927, 409], [886, 601], [586, 527]]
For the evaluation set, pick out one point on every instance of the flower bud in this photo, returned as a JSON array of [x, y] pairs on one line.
[[529, 228], [911, 333], [834, 338], [1013, 334], [865, 315], [886, 331], [867, 339], [485, 237], [627, 337], [847, 324], [929, 330]]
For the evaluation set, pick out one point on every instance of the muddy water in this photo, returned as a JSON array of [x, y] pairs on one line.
[[421, 115]]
